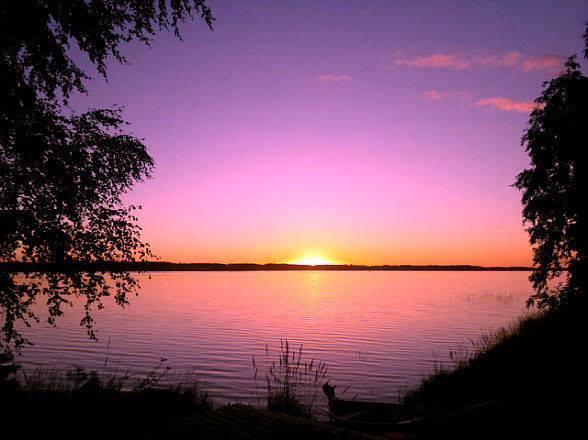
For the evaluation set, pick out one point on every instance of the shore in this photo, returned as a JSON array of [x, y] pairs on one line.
[[162, 266], [523, 378], [534, 373]]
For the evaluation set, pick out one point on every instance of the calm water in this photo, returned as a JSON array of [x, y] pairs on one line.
[[379, 332]]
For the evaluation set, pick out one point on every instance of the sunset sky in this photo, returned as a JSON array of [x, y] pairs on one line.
[[372, 132]]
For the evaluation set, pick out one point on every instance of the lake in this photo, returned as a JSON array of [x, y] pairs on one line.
[[378, 332]]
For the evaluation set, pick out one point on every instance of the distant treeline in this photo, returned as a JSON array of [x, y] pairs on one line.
[[150, 266]]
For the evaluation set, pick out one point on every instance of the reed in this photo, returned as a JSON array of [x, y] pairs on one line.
[[142, 405], [293, 383], [535, 361]]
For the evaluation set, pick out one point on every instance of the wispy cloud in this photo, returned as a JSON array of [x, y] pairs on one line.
[[442, 95], [497, 103], [547, 62], [506, 104], [449, 61], [462, 60], [332, 78]]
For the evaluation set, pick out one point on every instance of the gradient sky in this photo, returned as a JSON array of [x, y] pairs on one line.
[[359, 131]]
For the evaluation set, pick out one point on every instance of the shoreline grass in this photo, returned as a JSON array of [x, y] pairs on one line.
[[293, 383], [536, 361], [534, 368], [153, 403], [72, 401]]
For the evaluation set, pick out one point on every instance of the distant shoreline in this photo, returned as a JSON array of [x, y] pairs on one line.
[[156, 266]]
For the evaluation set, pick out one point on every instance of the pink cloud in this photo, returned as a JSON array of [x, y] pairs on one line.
[[442, 95], [506, 105], [460, 61], [498, 103], [331, 78], [547, 62], [452, 61]]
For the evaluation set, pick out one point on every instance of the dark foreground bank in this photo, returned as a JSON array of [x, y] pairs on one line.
[[534, 374], [78, 404], [527, 381]]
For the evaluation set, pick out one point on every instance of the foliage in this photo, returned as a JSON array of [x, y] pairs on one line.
[[63, 174], [536, 361], [553, 187], [586, 42], [37, 36], [293, 384], [7, 369], [527, 379], [145, 407]]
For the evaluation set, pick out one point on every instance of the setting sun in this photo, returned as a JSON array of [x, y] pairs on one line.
[[313, 260]]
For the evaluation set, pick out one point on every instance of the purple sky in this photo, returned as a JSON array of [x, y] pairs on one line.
[[354, 132]]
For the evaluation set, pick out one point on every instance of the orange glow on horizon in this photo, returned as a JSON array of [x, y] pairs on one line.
[[484, 249], [313, 259]]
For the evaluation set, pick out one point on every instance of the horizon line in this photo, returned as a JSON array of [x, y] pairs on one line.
[[153, 265]]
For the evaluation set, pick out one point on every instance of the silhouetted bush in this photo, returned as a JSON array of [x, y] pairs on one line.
[[293, 384], [74, 401], [537, 365]]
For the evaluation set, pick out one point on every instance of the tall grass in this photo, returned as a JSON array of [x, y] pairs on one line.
[[72, 398], [293, 384], [535, 361], [459, 376], [75, 379]]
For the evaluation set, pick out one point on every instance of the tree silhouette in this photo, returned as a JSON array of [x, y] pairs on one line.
[[554, 204], [62, 174], [586, 42]]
